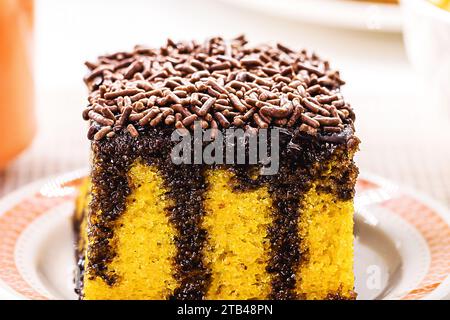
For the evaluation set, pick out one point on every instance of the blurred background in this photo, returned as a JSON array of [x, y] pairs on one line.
[[395, 59]]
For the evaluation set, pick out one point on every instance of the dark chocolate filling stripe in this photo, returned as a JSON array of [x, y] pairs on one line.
[[284, 254], [285, 244], [187, 188], [302, 161]]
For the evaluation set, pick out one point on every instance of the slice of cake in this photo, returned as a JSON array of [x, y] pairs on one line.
[[157, 223]]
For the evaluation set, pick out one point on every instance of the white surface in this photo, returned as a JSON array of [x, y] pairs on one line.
[[362, 15], [69, 32], [388, 97], [427, 39]]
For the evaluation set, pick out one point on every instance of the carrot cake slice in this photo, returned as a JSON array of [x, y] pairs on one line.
[[176, 209]]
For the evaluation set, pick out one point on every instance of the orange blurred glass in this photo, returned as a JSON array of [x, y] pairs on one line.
[[17, 121]]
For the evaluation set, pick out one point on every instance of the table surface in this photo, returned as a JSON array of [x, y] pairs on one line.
[[389, 98]]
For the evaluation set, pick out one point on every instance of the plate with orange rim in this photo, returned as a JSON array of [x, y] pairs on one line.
[[373, 15], [402, 241]]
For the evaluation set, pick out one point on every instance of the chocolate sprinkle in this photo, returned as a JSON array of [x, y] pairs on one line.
[[215, 76]]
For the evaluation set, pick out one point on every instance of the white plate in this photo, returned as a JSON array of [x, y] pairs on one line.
[[336, 13], [402, 242]]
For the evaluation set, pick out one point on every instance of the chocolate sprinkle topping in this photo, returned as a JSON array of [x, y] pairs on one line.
[[221, 81]]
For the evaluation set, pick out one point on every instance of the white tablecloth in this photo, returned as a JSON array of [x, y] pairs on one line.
[[404, 137]]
